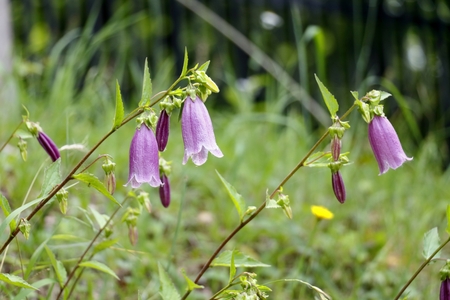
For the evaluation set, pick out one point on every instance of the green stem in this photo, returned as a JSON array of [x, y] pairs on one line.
[[263, 205], [422, 266], [130, 116], [72, 273], [11, 136]]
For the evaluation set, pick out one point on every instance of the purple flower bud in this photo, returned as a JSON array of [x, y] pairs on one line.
[[385, 144], [336, 148], [445, 290], [162, 130], [198, 133], [48, 145], [144, 160], [338, 186], [164, 191]]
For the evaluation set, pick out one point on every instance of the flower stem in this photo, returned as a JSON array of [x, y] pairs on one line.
[[263, 205], [422, 266], [11, 136]]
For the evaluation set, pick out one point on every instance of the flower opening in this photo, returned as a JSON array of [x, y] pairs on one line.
[[198, 133], [144, 160], [385, 144]]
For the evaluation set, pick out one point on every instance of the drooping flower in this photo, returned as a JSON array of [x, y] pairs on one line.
[[164, 191], [338, 186], [162, 130], [385, 144], [198, 133], [144, 160], [445, 290], [48, 145]]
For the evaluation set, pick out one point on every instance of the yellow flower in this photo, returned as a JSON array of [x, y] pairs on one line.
[[321, 212]]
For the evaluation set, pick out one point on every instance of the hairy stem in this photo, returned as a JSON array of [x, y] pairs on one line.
[[422, 266]]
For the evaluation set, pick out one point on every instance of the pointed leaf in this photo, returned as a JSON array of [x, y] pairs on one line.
[[431, 242], [237, 199], [118, 117], [191, 285], [355, 95], [146, 86], [384, 95], [6, 211], [68, 237], [38, 284], [99, 266], [167, 289], [93, 181], [60, 271], [15, 213], [329, 99], [15, 280], [52, 178], [240, 260], [101, 219], [204, 67], [104, 245], [185, 63], [34, 258]]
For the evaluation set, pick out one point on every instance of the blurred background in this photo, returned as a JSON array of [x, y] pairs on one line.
[[61, 59]]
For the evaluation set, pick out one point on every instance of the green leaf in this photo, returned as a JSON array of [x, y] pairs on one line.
[[355, 95], [104, 245], [232, 268], [101, 219], [191, 285], [99, 266], [52, 178], [185, 63], [34, 258], [329, 99], [167, 289], [38, 284], [68, 237], [448, 219], [431, 242], [240, 260], [93, 181], [146, 86], [16, 212], [204, 67], [6, 211], [384, 95], [15, 280], [237, 199], [118, 117], [60, 271]]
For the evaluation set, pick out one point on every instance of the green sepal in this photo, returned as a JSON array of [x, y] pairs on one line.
[[364, 110], [185, 63], [25, 227], [355, 95], [204, 67], [329, 99]]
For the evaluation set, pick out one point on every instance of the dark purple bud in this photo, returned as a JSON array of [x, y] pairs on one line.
[[164, 191], [162, 130], [338, 186], [385, 144], [445, 290], [48, 145], [336, 148]]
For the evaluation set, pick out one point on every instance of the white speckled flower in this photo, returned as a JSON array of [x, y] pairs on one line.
[[198, 133], [144, 159], [385, 144]]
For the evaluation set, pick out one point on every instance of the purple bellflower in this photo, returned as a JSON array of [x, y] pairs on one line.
[[48, 145], [164, 191], [162, 130], [198, 133], [144, 159], [445, 290], [338, 186], [385, 144]]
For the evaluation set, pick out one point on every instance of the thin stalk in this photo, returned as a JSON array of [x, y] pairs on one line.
[[422, 266], [130, 116], [11, 136], [72, 273], [20, 258], [263, 205]]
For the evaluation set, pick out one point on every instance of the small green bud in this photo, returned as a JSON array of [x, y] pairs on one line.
[[22, 145], [444, 273], [25, 227], [250, 210], [62, 195], [165, 166], [109, 166], [144, 200]]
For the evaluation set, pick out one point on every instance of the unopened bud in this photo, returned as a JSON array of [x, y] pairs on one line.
[[133, 235], [338, 186], [25, 227], [48, 145], [62, 195], [143, 199], [164, 191], [22, 144], [162, 130]]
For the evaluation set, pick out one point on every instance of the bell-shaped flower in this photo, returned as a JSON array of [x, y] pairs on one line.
[[445, 290], [198, 133], [162, 130], [48, 145], [338, 186], [385, 144], [144, 159], [164, 191]]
